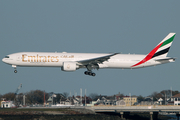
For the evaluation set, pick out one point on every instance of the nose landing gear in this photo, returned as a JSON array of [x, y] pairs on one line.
[[15, 71], [14, 66]]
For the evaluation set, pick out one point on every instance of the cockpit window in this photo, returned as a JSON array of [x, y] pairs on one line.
[[6, 56]]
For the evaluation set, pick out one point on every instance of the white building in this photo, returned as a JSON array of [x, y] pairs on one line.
[[174, 100], [6, 104]]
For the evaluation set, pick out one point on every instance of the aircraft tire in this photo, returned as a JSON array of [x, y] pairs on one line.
[[86, 72], [93, 74], [89, 73], [15, 71]]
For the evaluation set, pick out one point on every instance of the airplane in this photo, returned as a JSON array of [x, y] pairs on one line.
[[90, 61]]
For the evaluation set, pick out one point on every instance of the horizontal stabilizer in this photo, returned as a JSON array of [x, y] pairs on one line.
[[166, 59]]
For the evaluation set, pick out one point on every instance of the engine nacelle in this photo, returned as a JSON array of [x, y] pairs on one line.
[[69, 66]]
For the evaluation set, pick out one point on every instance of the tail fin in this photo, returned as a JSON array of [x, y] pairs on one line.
[[161, 50], [164, 46]]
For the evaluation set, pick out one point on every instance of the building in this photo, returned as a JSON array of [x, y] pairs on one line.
[[174, 100], [6, 104], [116, 100], [82, 100], [105, 100], [121, 103], [160, 101], [130, 100]]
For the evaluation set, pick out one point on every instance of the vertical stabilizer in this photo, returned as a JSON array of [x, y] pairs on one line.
[[160, 51], [165, 45]]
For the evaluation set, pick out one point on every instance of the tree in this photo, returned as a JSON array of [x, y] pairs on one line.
[[93, 96], [175, 92], [166, 93], [156, 96], [140, 98], [163, 94], [9, 96], [36, 96], [65, 94], [0, 96]]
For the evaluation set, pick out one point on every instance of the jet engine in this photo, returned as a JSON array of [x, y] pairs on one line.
[[69, 66]]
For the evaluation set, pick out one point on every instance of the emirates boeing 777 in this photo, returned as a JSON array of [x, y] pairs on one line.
[[90, 61]]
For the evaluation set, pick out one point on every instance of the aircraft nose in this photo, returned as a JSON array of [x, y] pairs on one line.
[[3, 59]]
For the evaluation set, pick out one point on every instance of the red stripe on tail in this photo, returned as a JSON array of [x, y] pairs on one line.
[[149, 56]]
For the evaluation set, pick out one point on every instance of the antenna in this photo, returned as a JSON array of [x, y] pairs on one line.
[[81, 96], [85, 97]]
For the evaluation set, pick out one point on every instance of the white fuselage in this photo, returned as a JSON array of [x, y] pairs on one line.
[[74, 61], [48, 59]]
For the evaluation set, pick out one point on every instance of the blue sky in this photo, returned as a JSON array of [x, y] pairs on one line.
[[93, 26]]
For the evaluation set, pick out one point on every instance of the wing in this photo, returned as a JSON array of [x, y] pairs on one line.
[[95, 61]]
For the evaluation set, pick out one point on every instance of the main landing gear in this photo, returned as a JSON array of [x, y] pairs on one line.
[[89, 73], [89, 70]]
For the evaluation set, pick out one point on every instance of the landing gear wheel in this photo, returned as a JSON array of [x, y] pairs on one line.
[[15, 71], [93, 74], [86, 72], [89, 73]]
